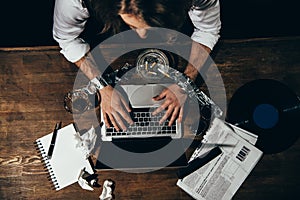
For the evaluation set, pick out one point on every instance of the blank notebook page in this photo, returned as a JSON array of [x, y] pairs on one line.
[[67, 161]]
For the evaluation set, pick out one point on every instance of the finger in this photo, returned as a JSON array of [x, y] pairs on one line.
[[161, 96], [125, 115], [180, 116], [167, 114], [119, 121], [126, 105], [161, 108], [107, 124], [114, 123], [174, 116]]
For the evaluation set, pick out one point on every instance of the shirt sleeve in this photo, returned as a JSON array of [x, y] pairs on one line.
[[68, 23], [207, 23]]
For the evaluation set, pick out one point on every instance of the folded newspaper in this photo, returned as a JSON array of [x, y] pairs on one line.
[[222, 176]]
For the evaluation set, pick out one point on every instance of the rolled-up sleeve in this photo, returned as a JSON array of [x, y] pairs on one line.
[[207, 24], [68, 23]]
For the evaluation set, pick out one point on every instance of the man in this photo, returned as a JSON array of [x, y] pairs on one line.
[[71, 22]]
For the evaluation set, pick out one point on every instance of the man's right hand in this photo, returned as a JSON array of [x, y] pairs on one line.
[[114, 108]]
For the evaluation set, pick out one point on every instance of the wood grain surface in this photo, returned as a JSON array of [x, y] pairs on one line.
[[33, 82]]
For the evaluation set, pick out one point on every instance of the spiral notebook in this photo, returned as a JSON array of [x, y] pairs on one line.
[[67, 161]]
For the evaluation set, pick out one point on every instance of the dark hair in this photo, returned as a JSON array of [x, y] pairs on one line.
[[156, 13]]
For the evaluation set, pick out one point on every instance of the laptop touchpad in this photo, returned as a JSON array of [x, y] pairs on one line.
[[141, 96]]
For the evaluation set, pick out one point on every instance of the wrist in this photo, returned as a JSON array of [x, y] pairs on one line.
[[191, 72], [99, 82], [194, 75]]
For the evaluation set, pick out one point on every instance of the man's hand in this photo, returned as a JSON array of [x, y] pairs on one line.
[[114, 108], [174, 102]]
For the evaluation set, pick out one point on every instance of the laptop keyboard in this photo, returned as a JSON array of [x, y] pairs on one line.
[[144, 125]]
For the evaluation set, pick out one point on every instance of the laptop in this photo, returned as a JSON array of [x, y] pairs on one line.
[[145, 124], [146, 144]]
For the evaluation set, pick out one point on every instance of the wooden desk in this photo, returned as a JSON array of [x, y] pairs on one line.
[[34, 80]]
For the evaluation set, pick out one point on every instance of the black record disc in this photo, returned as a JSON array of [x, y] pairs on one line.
[[269, 109]]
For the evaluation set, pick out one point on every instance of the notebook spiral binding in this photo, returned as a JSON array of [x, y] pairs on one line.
[[47, 165]]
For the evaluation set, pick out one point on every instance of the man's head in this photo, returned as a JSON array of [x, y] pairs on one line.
[[141, 14]]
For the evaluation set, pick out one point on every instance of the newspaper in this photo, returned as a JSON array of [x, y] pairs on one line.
[[222, 177]]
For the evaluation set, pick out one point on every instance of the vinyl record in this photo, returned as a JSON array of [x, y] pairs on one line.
[[269, 109]]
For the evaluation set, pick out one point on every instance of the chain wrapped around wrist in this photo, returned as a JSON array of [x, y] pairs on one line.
[[191, 89]]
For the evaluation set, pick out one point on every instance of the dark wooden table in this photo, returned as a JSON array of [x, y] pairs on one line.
[[34, 81]]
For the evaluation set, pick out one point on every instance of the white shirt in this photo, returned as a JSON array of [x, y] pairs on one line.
[[70, 17]]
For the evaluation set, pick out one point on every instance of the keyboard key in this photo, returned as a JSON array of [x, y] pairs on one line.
[[110, 130], [145, 124]]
